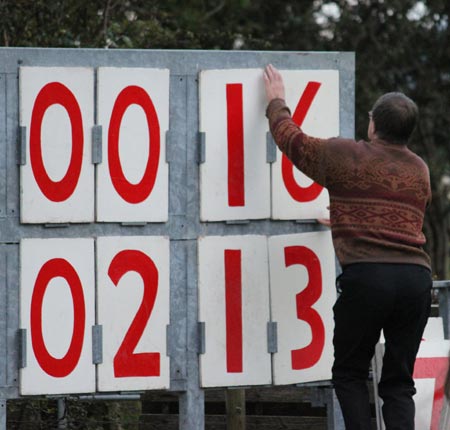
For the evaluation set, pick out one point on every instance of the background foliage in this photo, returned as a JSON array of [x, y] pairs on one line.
[[399, 44]]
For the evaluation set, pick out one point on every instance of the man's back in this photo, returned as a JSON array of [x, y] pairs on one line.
[[378, 191]]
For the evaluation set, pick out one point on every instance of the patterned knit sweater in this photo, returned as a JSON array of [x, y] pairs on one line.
[[378, 191]]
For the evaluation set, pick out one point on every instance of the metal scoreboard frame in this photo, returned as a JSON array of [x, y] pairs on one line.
[[185, 151]]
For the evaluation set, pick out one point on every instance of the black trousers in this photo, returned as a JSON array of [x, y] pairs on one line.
[[376, 296]]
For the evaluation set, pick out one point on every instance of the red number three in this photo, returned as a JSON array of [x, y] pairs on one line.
[[308, 356]]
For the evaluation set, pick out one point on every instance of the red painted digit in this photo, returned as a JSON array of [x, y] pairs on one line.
[[57, 367], [50, 94], [126, 362], [308, 356], [233, 305], [298, 193], [235, 134], [133, 193], [434, 368]]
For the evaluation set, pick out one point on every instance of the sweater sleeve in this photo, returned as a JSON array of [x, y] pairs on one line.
[[306, 153]]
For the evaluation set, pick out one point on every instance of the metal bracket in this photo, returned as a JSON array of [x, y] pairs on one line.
[[201, 329], [201, 147], [22, 146], [317, 397], [271, 148], [56, 225], [22, 335], [97, 344], [237, 221], [272, 337], [97, 154], [134, 223], [306, 221]]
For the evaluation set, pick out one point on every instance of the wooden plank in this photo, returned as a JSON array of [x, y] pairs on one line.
[[218, 422], [287, 394], [158, 422], [235, 409]]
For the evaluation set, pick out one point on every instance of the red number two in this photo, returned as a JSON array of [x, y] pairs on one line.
[[126, 362]]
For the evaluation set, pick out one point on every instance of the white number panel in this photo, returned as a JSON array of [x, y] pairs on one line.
[[133, 310], [133, 110], [235, 177], [57, 109], [302, 291], [57, 294], [234, 305], [313, 97], [430, 371]]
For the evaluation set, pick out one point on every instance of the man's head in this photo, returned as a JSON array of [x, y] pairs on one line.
[[394, 117]]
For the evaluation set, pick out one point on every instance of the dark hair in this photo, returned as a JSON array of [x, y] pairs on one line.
[[394, 116]]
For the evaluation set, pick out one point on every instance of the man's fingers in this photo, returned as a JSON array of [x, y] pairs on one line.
[[324, 221], [269, 71]]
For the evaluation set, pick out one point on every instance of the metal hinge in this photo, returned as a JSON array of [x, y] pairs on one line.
[[201, 327], [170, 155], [22, 334], [97, 344], [22, 146], [97, 154], [271, 148], [272, 337], [201, 147]]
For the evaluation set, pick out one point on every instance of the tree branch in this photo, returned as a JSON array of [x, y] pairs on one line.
[[217, 9]]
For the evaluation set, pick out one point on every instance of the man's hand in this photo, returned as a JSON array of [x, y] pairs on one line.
[[273, 83], [325, 221]]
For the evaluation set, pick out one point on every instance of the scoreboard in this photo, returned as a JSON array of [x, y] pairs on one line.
[[153, 236]]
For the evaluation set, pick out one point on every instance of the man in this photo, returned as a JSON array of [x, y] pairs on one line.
[[378, 194]]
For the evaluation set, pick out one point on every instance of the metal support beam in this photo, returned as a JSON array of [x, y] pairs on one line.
[[443, 288], [335, 420], [62, 422], [192, 401], [2, 414]]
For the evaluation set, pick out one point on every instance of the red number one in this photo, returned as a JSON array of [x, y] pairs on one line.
[[126, 362], [233, 311], [298, 193], [57, 367], [434, 368], [308, 356], [133, 193], [50, 94], [235, 134]]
